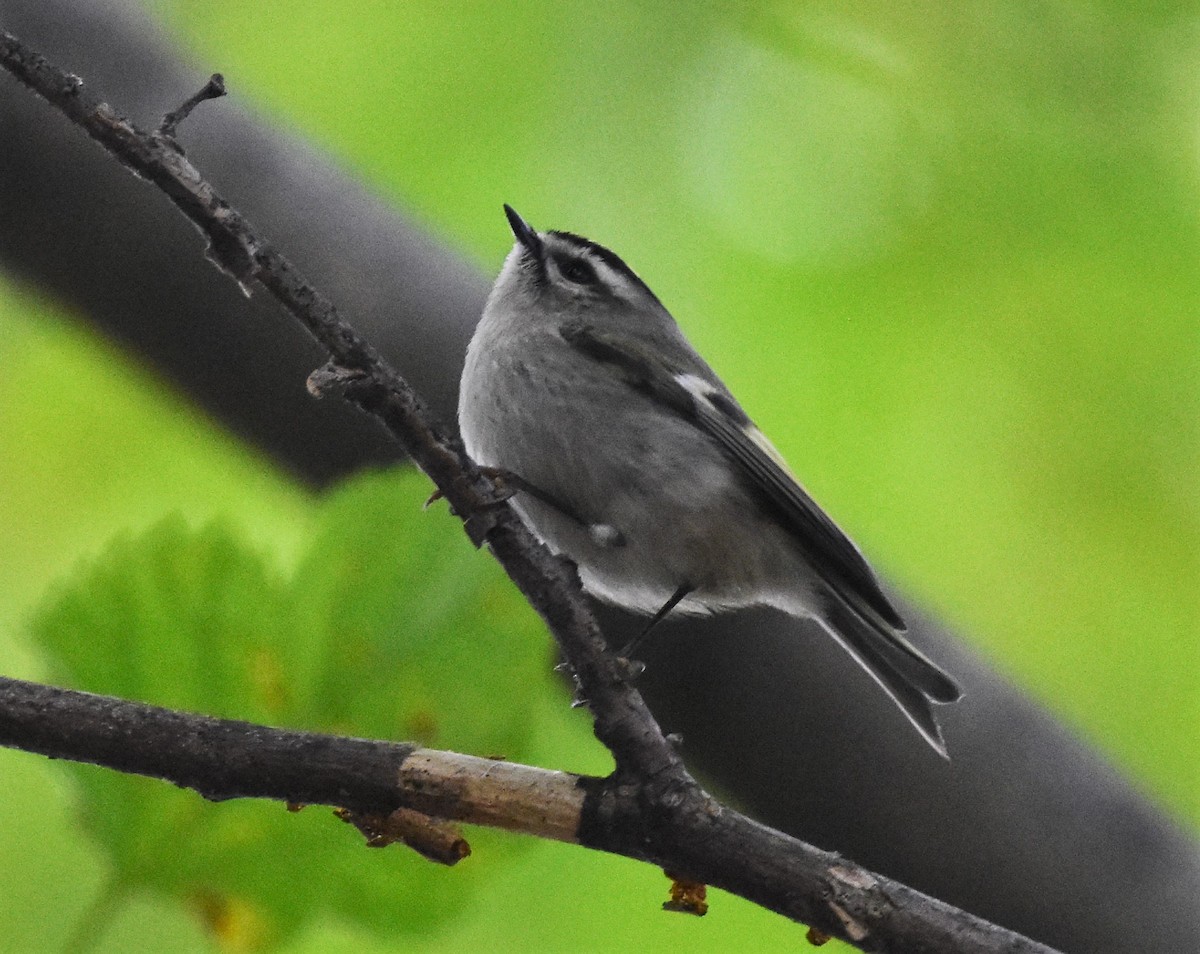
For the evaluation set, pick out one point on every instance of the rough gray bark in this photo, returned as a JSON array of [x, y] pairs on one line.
[[624, 814], [1027, 826]]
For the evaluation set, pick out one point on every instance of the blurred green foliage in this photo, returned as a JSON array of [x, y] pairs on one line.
[[947, 254], [366, 638]]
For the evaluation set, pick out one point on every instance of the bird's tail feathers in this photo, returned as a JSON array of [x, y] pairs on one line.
[[905, 673]]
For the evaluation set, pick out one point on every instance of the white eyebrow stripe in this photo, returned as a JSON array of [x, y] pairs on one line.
[[610, 267], [609, 276]]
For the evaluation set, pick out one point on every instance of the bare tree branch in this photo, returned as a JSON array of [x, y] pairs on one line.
[[223, 759]]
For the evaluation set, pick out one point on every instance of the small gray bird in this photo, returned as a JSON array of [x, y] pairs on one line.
[[628, 454]]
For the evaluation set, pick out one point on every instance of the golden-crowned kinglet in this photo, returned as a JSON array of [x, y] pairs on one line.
[[629, 455]]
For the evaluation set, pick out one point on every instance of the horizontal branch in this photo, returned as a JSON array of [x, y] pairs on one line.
[[223, 759]]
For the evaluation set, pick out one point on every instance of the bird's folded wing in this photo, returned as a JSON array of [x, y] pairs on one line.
[[832, 554]]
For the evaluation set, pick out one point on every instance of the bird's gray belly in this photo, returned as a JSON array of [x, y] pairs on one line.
[[606, 452]]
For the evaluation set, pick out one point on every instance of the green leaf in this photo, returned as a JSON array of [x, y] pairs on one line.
[[392, 626], [423, 638]]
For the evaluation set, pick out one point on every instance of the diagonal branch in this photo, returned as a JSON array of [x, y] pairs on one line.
[[649, 809], [623, 723]]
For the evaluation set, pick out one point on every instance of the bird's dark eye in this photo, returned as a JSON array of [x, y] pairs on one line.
[[579, 271]]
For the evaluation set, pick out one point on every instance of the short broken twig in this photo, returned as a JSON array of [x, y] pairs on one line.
[[213, 89]]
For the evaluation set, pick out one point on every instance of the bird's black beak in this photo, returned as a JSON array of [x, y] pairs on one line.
[[525, 233]]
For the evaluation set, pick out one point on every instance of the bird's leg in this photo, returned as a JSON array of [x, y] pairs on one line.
[[683, 590]]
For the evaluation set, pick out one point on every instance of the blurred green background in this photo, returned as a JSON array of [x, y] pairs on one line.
[[948, 255]]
